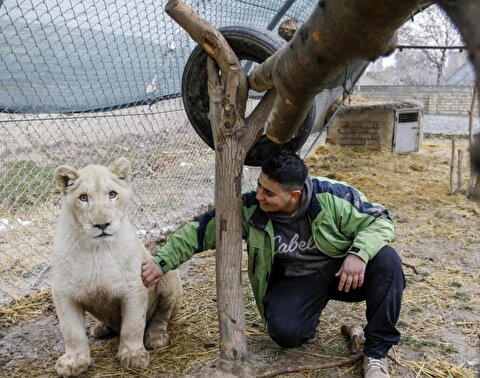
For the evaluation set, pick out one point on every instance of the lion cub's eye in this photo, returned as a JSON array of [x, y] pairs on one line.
[[112, 195], [83, 198]]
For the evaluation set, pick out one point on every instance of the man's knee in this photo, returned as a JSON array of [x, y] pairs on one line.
[[388, 260], [289, 334], [285, 338], [386, 268]]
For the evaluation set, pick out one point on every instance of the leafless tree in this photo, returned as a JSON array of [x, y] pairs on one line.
[[432, 27]]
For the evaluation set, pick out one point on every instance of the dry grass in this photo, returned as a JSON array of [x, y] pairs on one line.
[[437, 236], [25, 309]]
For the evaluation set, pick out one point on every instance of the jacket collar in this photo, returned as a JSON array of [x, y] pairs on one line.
[[314, 207], [259, 219]]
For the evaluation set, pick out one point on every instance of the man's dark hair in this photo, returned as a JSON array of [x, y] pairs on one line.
[[286, 168]]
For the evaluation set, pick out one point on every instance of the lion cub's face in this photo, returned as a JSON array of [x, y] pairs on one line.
[[96, 197]]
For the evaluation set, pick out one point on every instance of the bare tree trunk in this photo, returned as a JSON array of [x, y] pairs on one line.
[[228, 95], [441, 67], [233, 139], [229, 157]]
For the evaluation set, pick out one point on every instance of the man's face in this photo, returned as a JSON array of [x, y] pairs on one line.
[[273, 198]]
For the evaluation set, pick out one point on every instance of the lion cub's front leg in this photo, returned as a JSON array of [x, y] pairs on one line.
[[131, 351], [71, 317], [169, 302]]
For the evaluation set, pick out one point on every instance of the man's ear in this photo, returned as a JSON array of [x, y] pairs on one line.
[[296, 194], [64, 177]]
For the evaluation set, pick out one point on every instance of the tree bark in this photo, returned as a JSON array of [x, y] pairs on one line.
[[229, 157], [228, 96], [337, 33]]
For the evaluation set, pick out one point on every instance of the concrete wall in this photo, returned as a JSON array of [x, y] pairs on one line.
[[362, 128], [435, 100]]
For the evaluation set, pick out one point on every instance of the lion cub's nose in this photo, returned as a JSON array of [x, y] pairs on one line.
[[103, 226]]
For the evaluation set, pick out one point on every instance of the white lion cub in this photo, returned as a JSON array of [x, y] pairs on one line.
[[97, 268]]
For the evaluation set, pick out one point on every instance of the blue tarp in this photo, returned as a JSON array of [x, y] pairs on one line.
[[72, 56]]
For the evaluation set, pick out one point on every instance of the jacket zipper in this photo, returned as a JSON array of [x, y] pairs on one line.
[[255, 257]]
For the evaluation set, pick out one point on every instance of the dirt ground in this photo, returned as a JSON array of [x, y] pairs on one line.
[[437, 236]]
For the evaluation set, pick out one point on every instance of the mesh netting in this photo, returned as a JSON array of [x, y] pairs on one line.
[[89, 81]]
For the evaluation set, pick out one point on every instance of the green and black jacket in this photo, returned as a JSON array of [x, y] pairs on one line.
[[342, 222]]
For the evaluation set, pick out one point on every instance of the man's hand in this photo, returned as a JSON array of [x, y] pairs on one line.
[[351, 273], [151, 273]]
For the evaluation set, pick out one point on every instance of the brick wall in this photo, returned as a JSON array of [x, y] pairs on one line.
[[352, 133], [435, 100], [362, 126]]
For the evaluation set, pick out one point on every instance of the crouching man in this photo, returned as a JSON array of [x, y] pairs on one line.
[[310, 239]]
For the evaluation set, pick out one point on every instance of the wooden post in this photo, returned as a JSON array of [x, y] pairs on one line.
[[229, 157], [228, 96], [452, 167], [356, 336], [459, 171]]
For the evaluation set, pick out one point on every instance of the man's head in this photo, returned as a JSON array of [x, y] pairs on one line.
[[281, 181]]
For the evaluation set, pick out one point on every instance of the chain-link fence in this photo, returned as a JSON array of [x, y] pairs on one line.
[[89, 81]]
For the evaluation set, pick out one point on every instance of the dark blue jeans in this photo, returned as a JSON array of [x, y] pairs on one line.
[[293, 304]]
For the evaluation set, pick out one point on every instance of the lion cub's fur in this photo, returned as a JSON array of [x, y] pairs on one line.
[[97, 268]]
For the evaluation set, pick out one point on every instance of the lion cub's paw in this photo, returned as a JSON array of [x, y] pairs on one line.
[[155, 340], [137, 359], [99, 329], [69, 366]]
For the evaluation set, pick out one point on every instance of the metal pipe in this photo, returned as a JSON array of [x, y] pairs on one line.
[[280, 13], [274, 21], [461, 48]]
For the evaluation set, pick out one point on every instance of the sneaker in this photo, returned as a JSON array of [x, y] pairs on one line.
[[375, 367]]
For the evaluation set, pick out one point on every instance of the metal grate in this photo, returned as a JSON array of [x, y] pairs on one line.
[[408, 117]]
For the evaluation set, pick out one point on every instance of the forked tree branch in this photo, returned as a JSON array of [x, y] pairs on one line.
[[215, 45], [227, 99]]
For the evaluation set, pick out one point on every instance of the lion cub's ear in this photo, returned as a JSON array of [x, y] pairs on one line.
[[64, 177], [122, 169]]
